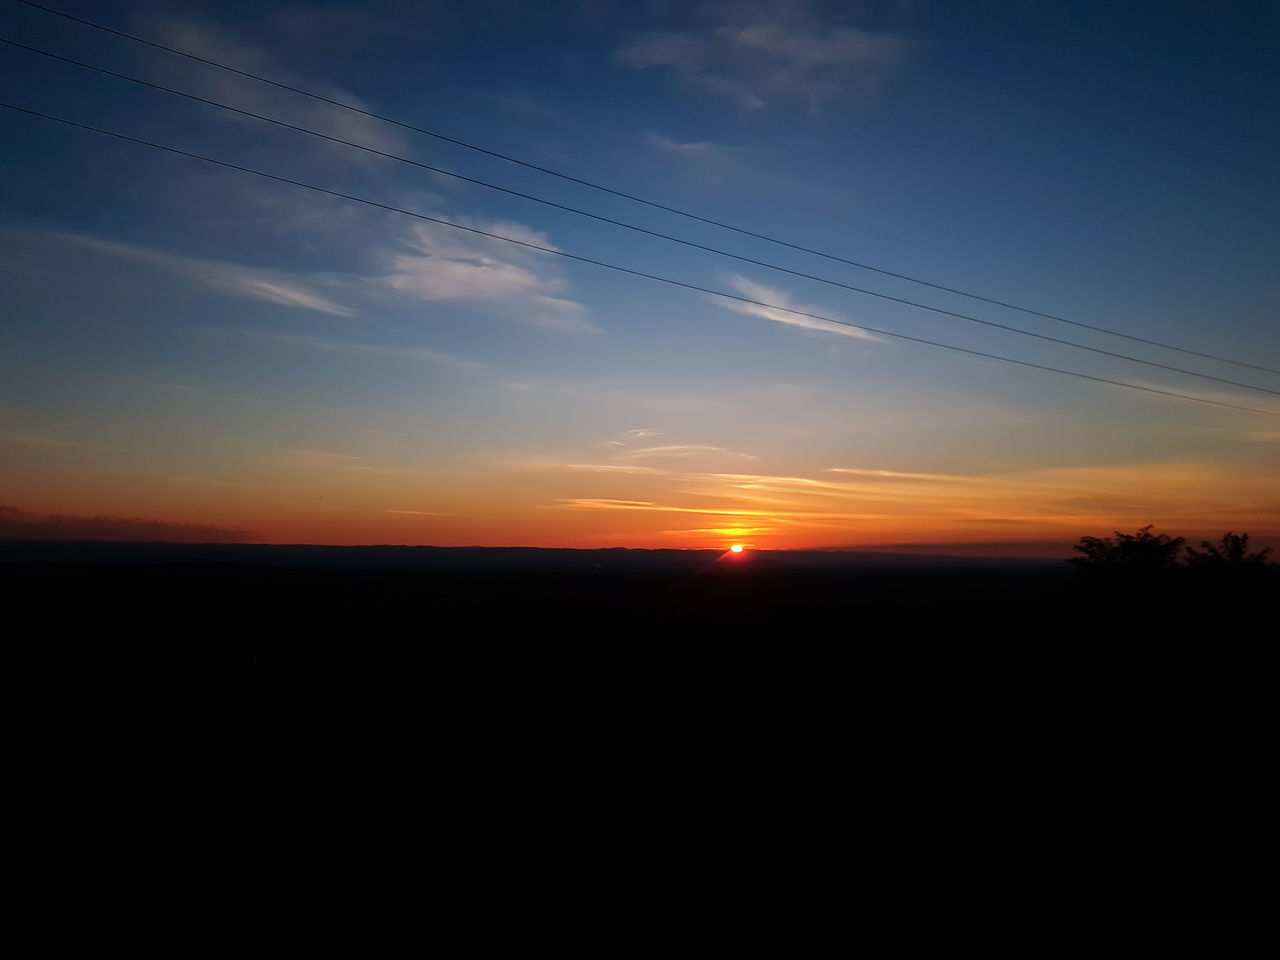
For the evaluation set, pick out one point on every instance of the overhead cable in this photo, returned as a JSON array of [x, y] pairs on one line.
[[636, 199], [636, 273], [638, 229]]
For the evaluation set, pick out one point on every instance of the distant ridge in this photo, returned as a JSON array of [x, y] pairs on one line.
[[992, 549], [387, 557]]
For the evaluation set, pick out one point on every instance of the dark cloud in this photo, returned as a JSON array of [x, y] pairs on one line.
[[17, 525]]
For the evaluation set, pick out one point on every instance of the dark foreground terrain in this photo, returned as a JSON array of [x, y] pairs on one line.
[[809, 730], [266, 602], [263, 597], [620, 646]]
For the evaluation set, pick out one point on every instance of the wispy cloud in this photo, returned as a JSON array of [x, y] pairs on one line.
[[610, 391], [631, 436], [681, 450], [444, 264], [602, 503], [864, 474], [771, 295], [702, 150], [524, 104], [188, 481], [328, 460], [733, 530], [758, 53], [438, 357], [230, 279], [215, 42], [621, 457], [1240, 398], [554, 464], [30, 441], [623, 448], [862, 504]]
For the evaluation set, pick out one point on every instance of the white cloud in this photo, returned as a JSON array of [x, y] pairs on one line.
[[451, 265], [231, 279], [771, 295]]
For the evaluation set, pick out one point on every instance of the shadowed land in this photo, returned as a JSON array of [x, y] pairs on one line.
[[549, 685], [264, 598]]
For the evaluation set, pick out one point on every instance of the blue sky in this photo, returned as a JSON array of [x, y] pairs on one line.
[[221, 355]]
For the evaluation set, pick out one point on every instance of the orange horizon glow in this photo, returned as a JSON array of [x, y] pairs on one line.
[[194, 351], [298, 496], [587, 530]]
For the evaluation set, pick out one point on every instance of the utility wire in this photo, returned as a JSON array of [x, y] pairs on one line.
[[628, 226], [649, 203], [635, 273]]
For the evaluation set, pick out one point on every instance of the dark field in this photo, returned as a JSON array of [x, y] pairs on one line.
[[616, 647], [642, 711], [266, 601], [268, 596]]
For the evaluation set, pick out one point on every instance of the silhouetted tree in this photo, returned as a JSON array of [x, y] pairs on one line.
[[1230, 553], [1143, 553]]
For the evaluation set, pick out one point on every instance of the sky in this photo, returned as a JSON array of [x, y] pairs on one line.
[[193, 352]]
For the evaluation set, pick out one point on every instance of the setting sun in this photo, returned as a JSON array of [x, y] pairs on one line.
[[268, 361]]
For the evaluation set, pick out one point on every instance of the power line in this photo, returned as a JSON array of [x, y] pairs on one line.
[[634, 273], [649, 203], [633, 227]]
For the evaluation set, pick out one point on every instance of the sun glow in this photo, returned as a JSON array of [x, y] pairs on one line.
[[736, 548]]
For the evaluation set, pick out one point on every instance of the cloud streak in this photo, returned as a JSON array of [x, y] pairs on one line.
[[701, 150], [880, 506], [764, 294], [229, 279], [862, 473], [438, 357], [329, 461], [443, 264], [679, 451]]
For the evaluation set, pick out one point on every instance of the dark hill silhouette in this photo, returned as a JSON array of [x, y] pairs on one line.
[[264, 596]]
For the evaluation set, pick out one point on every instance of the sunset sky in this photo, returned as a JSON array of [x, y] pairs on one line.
[[194, 352]]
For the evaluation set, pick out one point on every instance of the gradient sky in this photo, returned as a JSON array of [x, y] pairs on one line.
[[191, 352]]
